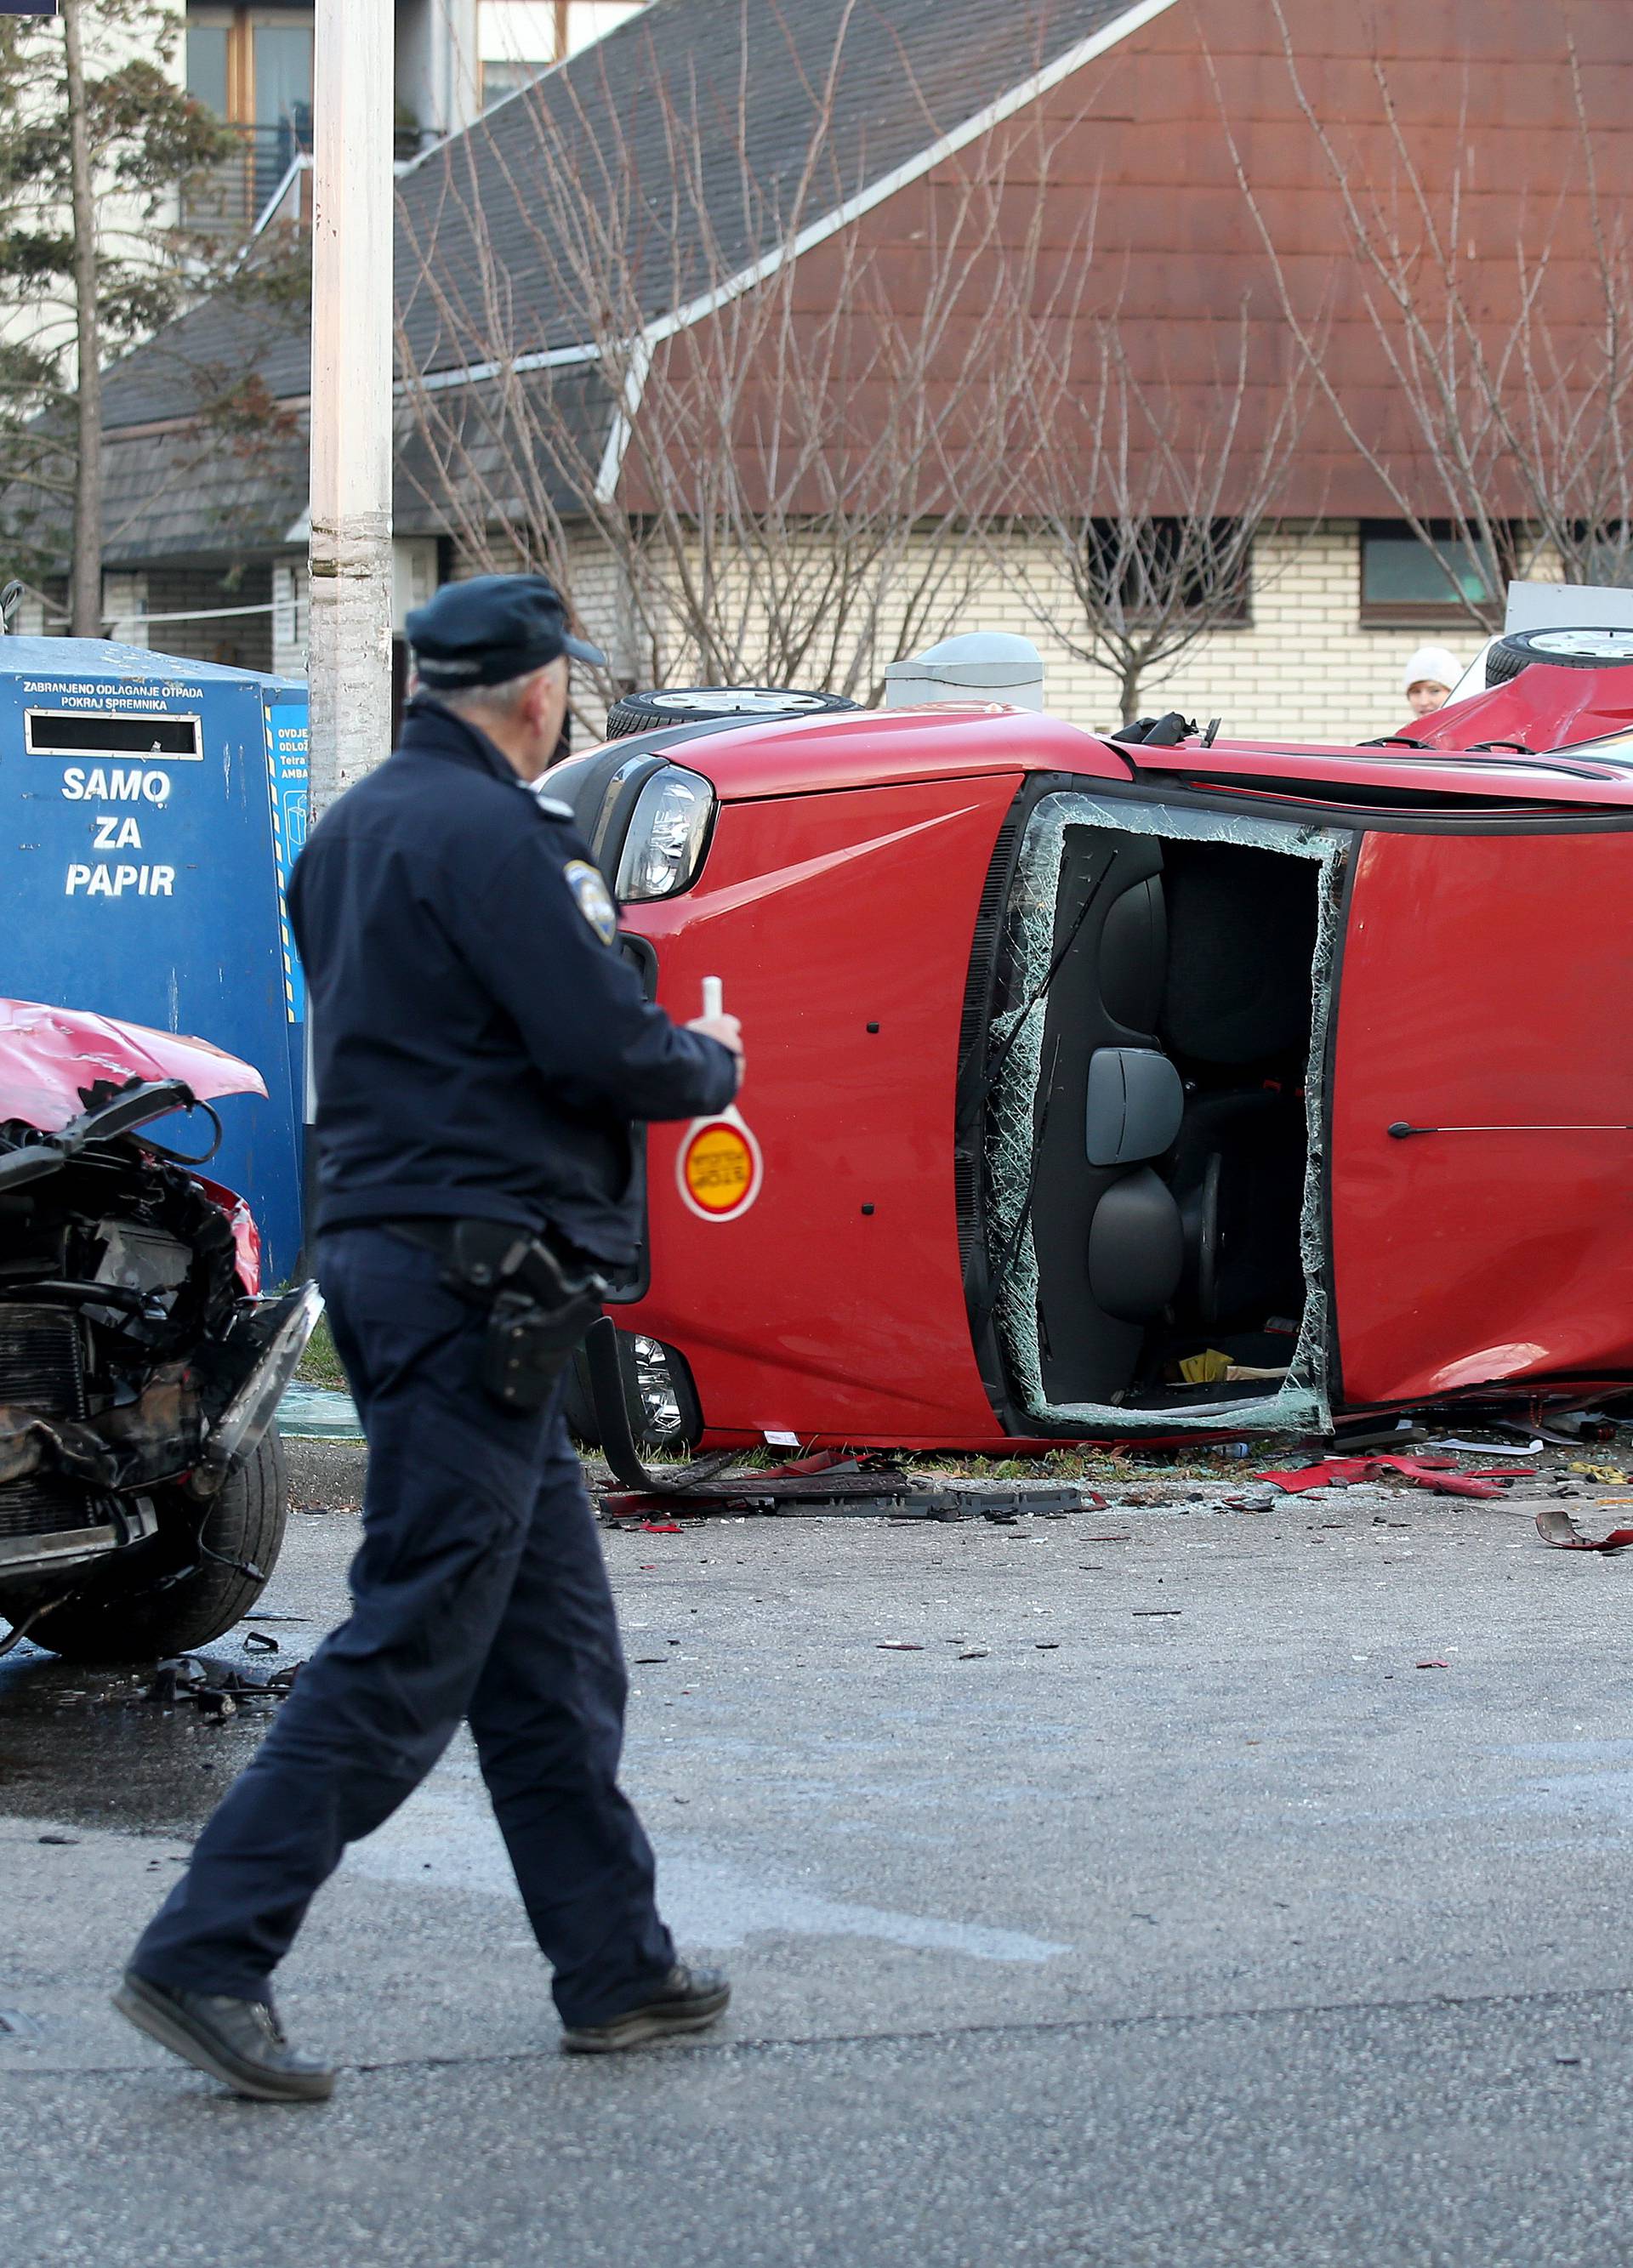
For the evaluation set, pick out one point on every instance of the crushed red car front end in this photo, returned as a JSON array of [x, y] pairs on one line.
[[139, 1368]]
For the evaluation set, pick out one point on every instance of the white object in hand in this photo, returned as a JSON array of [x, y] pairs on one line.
[[713, 997]]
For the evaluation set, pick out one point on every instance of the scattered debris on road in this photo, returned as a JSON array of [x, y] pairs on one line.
[[1531, 1448], [835, 1487], [1441, 1474], [1125, 1476], [216, 1690], [1560, 1528]]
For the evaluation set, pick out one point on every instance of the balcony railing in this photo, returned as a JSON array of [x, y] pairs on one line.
[[236, 191], [266, 177]]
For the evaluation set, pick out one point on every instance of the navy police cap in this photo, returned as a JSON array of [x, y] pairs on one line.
[[490, 630]]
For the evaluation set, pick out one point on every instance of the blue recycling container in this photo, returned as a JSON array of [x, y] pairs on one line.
[[155, 806]]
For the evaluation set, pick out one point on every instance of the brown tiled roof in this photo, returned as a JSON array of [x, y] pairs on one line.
[[904, 73]]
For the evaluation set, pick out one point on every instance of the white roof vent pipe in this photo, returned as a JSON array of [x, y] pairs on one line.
[[983, 666]]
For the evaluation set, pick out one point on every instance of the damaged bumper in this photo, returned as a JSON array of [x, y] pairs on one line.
[[280, 1335], [191, 1426]]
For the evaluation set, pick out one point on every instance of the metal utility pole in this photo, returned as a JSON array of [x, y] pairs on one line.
[[350, 651]]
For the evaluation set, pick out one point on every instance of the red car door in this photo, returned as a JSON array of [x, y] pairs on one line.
[[1484, 992]]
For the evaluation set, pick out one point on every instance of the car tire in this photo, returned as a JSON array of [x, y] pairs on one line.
[[244, 1527], [1561, 648], [698, 704]]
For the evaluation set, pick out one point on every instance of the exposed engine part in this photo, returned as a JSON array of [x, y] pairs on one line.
[[121, 1520], [142, 1261], [41, 1362], [41, 1372], [131, 1359], [143, 1491]]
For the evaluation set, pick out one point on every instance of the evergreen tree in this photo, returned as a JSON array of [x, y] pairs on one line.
[[96, 139]]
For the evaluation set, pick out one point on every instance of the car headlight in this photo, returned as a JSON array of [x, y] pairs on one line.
[[669, 834]]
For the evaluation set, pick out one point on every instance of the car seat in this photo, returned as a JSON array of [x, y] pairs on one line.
[[1107, 1227], [1241, 939], [1236, 1000]]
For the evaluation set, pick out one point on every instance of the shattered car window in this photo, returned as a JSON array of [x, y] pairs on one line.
[[1018, 1034]]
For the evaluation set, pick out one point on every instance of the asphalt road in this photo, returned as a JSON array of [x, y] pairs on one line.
[[1159, 1909]]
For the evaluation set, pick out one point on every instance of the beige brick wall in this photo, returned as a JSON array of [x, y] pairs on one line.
[[1301, 667]]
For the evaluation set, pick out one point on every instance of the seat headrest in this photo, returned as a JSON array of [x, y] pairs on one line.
[[1135, 1106]]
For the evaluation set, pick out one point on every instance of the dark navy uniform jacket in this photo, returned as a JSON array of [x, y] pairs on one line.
[[480, 1049]]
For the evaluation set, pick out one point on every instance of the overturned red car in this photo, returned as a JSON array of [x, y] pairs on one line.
[[1102, 1085], [143, 1494]]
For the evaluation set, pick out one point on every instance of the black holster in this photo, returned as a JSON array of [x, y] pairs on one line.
[[539, 1300]]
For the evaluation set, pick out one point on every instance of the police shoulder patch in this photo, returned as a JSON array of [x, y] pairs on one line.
[[593, 898]]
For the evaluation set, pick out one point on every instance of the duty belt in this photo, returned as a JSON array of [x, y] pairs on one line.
[[539, 1302]]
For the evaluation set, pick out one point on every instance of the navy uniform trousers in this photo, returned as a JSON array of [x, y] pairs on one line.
[[479, 1591]]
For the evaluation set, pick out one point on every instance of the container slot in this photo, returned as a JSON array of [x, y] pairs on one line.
[[72, 733]]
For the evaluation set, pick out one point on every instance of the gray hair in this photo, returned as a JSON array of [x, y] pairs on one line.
[[479, 700]]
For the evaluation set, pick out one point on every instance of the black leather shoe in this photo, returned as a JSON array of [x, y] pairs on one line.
[[687, 2000], [241, 2043]]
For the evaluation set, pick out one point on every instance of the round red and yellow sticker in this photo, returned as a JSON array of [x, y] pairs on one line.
[[719, 1169]]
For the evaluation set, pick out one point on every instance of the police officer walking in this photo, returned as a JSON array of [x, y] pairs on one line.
[[482, 1049]]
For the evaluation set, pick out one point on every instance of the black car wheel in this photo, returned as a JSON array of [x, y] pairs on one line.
[[243, 1530], [1563, 649], [697, 705]]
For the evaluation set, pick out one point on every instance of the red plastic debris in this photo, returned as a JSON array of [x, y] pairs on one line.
[[1441, 1474], [1555, 1526], [660, 1526]]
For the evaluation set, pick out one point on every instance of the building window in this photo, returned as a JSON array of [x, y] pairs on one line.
[[207, 73], [507, 77], [252, 69], [1607, 553], [124, 609], [1406, 582], [522, 39], [1140, 562], [291, 615]]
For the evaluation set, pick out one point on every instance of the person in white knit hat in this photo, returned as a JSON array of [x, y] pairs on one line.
[[1430, 674]]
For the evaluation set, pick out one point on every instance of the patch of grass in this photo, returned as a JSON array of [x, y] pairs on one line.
[[1122, 1461], [1117, 1465], [319, 1365]]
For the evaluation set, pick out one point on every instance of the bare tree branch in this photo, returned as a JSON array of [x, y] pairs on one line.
[[1518, 419], [1142, 500], [806, 472]]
